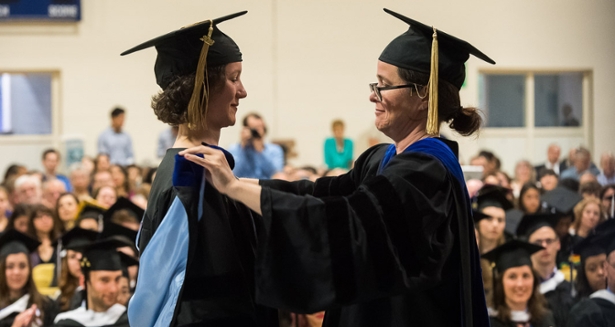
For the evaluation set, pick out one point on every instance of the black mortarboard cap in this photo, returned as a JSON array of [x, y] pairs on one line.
[[102, 255], [77, 238], [412, 50], [605, 226], [190, 50], [13, 242], [562, 199], [492, 196], [114, 230], [532, 222], [588, 247], [123, 203], [606, 241], [512, 254]]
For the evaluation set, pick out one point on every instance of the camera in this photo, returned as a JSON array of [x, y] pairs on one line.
[[255, 134]]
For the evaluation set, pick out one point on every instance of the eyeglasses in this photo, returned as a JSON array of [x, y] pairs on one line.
[[546, 241], [373, 87]]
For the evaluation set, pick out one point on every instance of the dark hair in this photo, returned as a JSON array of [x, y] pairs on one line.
[[97, 158], [13, 170], [29, 288], [256, 116], [536, 305], [126, 184], [149, 177], [594, 188], [41, 209], [524, 189], [464, 120], [57, 208], [171, 104], [48, 151], [117, 111], [20, 209], [581, 284], [606, 188], [546, 172], [67, 284]]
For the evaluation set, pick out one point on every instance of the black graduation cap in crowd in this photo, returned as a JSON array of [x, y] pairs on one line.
[[492, 196], [605, 226], [102, 255], [123, 203], [562, 199], [606, 241], [77, 238], [588, 247], [478, 216], [513, 218], [188, 50], [13, 242], [127, 261], [532, 222], [91, 210], [514, 253], [112, 230]]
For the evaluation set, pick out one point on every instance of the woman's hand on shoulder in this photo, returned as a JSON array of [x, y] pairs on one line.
[[218, 172]]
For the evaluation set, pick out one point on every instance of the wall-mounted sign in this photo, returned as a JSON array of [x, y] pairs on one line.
[[47, 10]]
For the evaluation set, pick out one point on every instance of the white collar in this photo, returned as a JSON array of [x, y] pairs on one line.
[[18, 306], [603, 294], [519, 316], [552, 283], [90, 318]]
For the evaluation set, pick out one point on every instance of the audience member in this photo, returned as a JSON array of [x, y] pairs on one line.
[[548, 180], [105, 196], [80, 180], [102, 162], [20, 302], [338, 150], [607, 163], [28, 190], [607, 196], [71, 281], [529, 198], [599, 309], [51, 161], [562, 201], [88, 164], [590, 189], [4, 208], [490, 217], [552, 163], [100, 179], [52, 189], [540, 230], [254, 157], [524, 173], [20, 218], [120, 180], [587, 215], [487, 160], [66, 210], [568, 161], [582, 164], [44, 228], [115, 142], [591, 276], [504, 179], [101, 265], [516, 297], [166, 140], [134, 178], [14, 170]]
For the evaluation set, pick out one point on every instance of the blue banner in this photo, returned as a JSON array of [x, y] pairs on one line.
[[48, 10]]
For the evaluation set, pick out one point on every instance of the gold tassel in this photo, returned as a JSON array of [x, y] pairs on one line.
[[200, 94], [433, 125]]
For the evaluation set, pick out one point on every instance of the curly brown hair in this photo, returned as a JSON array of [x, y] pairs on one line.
[[171, 104], [464, 120]]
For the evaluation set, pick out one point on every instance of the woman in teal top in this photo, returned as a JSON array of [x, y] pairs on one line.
[[338, 150]]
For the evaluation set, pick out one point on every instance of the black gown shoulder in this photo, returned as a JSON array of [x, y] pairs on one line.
[[560, 301], [547, 321], [592, 313]]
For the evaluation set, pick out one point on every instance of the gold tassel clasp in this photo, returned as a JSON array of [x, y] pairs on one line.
[[433, 124], [200, 94]]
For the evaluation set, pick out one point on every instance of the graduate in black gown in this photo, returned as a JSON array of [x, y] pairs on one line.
[[516, 299], [390, 243], [102, 268], [539, 229], [20, 301], [599, 309], [197, 246]]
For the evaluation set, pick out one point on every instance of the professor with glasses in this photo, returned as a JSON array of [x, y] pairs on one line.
[[390, 243]]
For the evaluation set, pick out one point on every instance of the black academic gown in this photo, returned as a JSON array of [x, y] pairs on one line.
[[560, 301], [76, 318], [50, 310], [547, 321], [219, 284], [370, 250], [592, 312]]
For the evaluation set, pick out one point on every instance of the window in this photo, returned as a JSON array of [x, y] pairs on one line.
[[25, 103]]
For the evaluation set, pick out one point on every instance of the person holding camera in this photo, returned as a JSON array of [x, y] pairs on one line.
[[254, 157]]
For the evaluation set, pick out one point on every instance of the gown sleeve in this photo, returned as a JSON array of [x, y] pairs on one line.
[[390, 235], [586, 314]]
